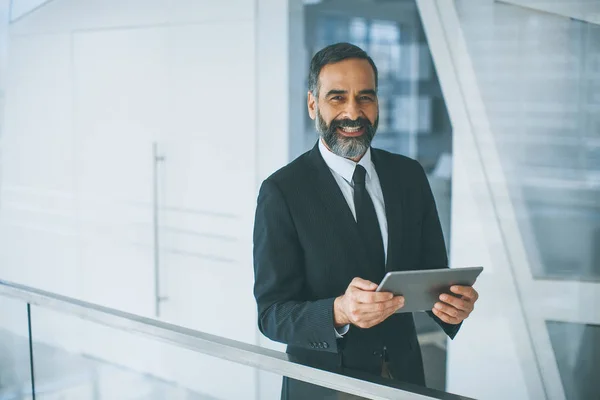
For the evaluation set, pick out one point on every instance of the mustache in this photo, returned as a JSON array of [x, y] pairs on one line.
[[350, 123]]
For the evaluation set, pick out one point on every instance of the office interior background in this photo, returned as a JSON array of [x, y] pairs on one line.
[[134, 136]]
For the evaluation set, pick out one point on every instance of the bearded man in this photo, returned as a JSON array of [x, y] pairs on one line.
[[330, 224]]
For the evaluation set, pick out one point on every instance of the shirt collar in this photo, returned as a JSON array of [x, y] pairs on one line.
[[344, 166]]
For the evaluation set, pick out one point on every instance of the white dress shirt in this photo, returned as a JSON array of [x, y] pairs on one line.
[[342, 170]]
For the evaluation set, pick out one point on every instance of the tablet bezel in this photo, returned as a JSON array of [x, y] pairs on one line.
[[433, 282]]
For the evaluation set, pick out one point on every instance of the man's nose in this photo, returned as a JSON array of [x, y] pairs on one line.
[[352, 110]]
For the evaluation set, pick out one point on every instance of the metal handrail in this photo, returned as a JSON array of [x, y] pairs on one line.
[[222, 348]]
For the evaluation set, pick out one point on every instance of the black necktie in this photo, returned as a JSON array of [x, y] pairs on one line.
[[366, 218]]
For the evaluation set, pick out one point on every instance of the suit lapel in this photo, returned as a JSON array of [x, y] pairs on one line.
[[336, 206], [393, 198]]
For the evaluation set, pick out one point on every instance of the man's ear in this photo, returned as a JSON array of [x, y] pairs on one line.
[[312, 105]]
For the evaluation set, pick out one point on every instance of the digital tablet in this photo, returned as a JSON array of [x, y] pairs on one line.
[[422, 288]]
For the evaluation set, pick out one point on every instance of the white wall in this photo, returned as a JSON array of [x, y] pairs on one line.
[[93, 86]]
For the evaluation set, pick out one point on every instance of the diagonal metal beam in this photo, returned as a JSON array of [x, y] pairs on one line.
[[20, 9], [581, 10]]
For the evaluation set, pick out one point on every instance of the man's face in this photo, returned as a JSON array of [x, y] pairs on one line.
[[346, 112]]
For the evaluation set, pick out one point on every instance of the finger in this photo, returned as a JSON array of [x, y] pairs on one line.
[[445, 317], [400, 303], [372, 319], [456, 302], [391, 311], [397, 306], [375, 318], [363, 284], [450, 310], [466, 291], [371, 297], [393, 305], [364, 310]]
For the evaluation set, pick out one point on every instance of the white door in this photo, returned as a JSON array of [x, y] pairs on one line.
[[207, 180], [206, 198], [119, 102]]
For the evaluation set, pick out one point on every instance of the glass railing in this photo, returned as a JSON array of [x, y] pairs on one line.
[[55, 347]]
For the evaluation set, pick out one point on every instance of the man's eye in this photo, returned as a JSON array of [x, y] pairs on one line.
[[337, 98], [366, 98]]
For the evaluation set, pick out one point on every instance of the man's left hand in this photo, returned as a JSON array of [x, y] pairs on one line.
[[455, 309]]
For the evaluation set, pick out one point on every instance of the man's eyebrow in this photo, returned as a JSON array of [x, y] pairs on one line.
[[336, 92], [332, 92], [372, 92]]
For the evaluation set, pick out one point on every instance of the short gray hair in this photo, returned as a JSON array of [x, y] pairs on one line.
[[332, 54]]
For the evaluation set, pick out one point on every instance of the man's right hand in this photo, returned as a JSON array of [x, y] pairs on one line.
[[363, 307]]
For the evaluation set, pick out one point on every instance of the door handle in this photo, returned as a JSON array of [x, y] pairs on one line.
[[158, 298]]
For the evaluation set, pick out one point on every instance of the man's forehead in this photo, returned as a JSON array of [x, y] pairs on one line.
[[353, 74]]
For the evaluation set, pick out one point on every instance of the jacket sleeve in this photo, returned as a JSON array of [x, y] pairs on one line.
[[433, 248], [284, 314]]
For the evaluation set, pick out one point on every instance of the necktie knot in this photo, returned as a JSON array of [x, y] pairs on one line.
[[359, 175]]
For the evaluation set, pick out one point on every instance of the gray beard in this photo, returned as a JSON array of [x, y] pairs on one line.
[[347, 147]]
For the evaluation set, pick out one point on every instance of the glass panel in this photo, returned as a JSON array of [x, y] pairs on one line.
[[413, 119], [78, 359], [577, 350], [539, 78], [15, 370]]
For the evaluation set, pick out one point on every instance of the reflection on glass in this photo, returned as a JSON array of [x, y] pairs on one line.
[[77, 359], [539, 78], [15, 370], [577, 351]]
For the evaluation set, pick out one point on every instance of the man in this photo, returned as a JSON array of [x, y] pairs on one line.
[[330, 224]]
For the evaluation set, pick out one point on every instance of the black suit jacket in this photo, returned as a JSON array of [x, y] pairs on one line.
[[307, 250]]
